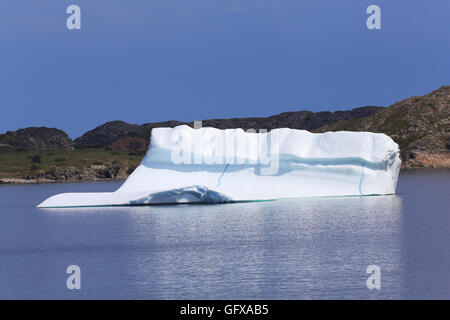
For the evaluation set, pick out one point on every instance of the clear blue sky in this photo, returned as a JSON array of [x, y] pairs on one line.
[[155, 60]]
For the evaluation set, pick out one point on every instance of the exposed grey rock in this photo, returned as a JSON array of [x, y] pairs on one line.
[[112, 134], [37, 138]]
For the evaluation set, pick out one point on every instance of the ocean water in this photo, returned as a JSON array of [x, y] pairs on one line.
[[311, 248]]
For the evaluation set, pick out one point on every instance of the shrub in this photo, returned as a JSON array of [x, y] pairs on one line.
[[36, 158], [137, 153]]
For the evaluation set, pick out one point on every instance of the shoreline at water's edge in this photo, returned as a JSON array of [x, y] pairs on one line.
[[6, 181]]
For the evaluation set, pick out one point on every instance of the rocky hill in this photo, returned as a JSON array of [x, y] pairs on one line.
[[109, 132], [124, 136], [420, 125], [35, 138]]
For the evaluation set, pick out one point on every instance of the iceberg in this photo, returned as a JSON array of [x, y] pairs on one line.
[[209, 165]]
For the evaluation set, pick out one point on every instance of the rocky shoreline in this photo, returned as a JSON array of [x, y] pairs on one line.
[[72, 174], [117, 172], [420, 125]]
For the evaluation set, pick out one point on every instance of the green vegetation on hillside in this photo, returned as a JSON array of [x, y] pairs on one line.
[[420, 126], [21, 164]]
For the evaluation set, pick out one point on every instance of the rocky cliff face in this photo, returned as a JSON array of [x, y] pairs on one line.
[[420, 125], [35, 138], [122, 135]]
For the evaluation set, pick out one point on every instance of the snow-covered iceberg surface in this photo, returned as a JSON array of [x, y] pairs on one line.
[[209, 165]]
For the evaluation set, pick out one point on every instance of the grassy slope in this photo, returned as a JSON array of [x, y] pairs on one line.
[[20, 164], [420, 125]]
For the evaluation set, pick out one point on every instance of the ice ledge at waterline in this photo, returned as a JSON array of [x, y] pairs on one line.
[[208, 165]]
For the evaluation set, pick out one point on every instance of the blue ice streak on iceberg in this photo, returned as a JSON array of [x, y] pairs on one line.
[[221, 176], [361, 181]]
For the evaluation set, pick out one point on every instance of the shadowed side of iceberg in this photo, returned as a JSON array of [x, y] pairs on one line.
[[192, 194], [197, 194]]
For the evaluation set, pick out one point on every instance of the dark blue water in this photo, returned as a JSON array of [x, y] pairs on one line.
[[289, 249]]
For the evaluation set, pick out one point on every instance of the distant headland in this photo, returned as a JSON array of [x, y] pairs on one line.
[[420, 125]]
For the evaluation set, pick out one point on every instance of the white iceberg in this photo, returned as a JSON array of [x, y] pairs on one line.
[[208, 165]]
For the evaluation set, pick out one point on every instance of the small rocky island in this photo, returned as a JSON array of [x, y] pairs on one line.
[[420, 125]]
